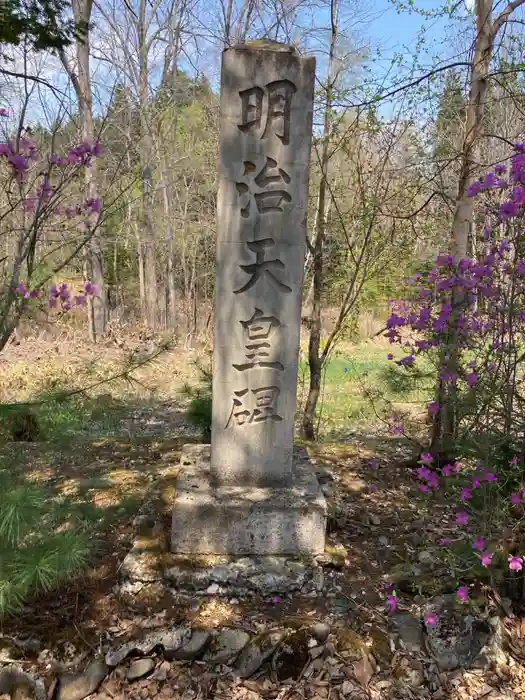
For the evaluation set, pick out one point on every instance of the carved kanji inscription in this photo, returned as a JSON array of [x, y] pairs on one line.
[[270, 200], [279, 95], [262, 268], [258, 331], [254, 406]]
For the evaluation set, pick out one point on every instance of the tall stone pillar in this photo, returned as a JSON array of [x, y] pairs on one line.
[[258, 499], [266, 127]]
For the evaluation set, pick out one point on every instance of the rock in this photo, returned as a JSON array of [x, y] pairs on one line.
[[347, 687], [223, 574], [320, 631], [213, 589], [409, 632], [426, 558], [194, 647], [292, 656], [270, 582], [226, 646], [140, 668], [161, 673], [459, 640], [374, 519], [170, 640], [316, 652], [79, 686], [20, 685], [383, 541], [257, 651]]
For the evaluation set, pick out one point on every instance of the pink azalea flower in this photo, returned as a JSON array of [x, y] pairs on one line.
[[465, 494], [462, 518], [462, 593], [391, 602], [447, 470], [479, 544], [431, 619], [515, 563], [472, 379], [426, 458], [423, 473], [486, 559], [433, 408], [433, 481], [514, 461], [490, 477], [456, 467], [515, 499], [476, 483]]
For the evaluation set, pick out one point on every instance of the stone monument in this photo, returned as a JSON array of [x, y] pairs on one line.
[[253, 497]]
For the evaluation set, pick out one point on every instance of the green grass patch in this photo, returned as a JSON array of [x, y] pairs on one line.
[[362, 384]]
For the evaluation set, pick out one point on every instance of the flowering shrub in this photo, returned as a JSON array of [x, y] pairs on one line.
[[468, 318], [42, 201]]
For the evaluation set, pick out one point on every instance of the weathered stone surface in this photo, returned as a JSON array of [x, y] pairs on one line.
[[408, 631], [226, 646], [242, 520], [140, 668], [20, 685], [170, 640], [195, 647], [257, 651], [320, 631], [459, 640], [266, 126], [79, 686]]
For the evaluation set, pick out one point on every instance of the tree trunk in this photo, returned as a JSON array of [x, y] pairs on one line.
[[445, 422], [147, 232], [314, 341], [94, 260]]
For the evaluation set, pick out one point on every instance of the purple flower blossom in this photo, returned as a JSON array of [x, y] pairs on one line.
[[433, 408], [515, 563], [515, 499], [431, 619], [462, 518], [465, 494], [445, 541], [462, 593], [490, 477], [479, 544], [476, 483], [486, 559], [426, 458], [391, 602], [472, 379], [474, 189]]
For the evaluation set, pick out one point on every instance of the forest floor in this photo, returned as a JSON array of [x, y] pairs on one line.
[[104, 449]]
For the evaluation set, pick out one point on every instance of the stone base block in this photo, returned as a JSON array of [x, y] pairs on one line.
[[246, 521]]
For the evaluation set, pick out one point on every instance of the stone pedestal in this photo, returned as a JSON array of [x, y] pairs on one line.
[[252, 497], [246, 520]]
